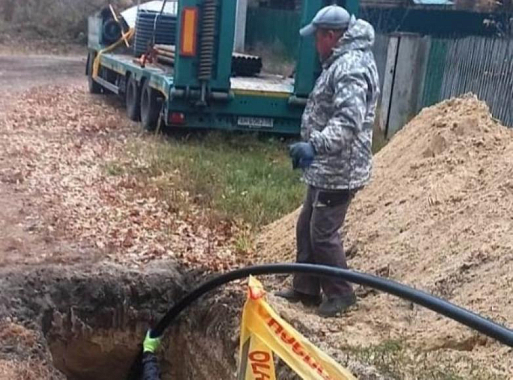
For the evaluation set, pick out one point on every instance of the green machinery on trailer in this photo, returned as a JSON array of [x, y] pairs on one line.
[[199, 90]]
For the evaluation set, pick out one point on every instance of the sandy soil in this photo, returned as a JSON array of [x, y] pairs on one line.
[[437, 216]]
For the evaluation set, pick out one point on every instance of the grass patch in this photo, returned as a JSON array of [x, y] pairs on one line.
[[395, 359], [243, 177], [113, 168]]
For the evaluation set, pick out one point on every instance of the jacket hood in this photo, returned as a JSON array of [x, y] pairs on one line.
[[359, 36]]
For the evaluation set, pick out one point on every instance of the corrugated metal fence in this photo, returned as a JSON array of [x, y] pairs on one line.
[[446, 67], [380, 52], [483, 66]]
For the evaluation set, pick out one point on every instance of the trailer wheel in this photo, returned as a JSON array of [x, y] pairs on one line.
[[94, 87], [133, 99], [150, 107]]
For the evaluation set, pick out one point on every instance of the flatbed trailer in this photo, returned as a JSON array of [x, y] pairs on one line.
[[199, 90]]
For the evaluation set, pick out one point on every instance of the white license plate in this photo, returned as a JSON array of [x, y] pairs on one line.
[[255, 122]]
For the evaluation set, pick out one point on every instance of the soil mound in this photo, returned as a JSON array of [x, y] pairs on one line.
[[438, 215]]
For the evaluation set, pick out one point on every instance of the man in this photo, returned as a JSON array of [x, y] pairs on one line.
[[336, 153]]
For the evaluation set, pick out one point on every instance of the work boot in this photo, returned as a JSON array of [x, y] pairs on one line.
[[294, 296], [334, 306]]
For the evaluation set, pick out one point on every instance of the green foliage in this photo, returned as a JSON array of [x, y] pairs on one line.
[[64, 19]]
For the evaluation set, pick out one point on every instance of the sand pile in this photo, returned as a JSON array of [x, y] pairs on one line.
[[439, 216]]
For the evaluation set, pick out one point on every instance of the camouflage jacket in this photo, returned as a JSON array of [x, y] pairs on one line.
[[339, 115]]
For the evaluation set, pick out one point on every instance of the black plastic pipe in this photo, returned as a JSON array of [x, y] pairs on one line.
[[459, 314]]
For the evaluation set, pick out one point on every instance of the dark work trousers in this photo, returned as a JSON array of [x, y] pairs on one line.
[[319, 240]]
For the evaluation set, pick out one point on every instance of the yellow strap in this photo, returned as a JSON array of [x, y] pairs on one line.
[[96, 64], [117, 20], [113, 13]]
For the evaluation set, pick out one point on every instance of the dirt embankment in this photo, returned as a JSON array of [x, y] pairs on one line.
[[438, 215]]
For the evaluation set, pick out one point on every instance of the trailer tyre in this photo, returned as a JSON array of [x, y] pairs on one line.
[[150, 107], [94, 87], [133, 99]]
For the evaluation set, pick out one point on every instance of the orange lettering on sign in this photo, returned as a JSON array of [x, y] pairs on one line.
[[297, 348], [259, 364], [273, 322], [287, 339]]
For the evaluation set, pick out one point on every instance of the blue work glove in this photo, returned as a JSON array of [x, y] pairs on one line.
[[151, 344], [302, 154]]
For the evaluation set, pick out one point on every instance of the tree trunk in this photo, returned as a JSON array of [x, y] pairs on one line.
[[8, 10]]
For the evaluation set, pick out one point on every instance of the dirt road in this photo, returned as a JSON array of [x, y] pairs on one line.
[[18, 234], [19, 73]]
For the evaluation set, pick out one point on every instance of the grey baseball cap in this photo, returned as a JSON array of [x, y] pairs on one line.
[[330, 17]]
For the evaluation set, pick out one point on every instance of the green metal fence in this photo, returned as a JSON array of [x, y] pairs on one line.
[[434, 73]]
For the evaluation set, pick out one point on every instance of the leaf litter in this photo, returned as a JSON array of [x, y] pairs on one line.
[[57, 143]]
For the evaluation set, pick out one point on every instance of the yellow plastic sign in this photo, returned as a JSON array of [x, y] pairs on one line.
[[264, 332]]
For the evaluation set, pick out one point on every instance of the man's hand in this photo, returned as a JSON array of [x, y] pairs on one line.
[[302, 154], [151, 344]]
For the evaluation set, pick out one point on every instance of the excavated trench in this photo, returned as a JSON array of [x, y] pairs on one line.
[[91, 320]]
